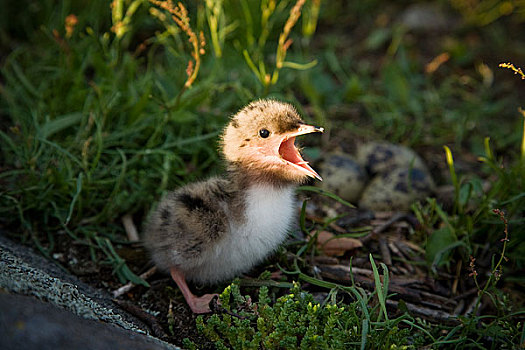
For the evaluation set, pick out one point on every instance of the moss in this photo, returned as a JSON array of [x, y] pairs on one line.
[[294, 321]]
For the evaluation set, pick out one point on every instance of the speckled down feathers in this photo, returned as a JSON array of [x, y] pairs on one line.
[[214, 230], [188, 220]]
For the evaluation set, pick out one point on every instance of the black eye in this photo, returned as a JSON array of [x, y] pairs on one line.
[[264, 133]]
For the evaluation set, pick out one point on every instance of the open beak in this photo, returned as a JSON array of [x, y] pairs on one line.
[[290, 154]]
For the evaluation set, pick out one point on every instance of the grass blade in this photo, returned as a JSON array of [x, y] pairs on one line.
[[75, 198], [380, 289], [364, 333], [326, 193], [62, 150], [59, 124]]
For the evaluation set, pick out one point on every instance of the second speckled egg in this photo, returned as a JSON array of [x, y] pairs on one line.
[[343, 176], [397, 189]]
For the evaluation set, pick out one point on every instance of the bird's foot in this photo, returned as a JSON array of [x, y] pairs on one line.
[[201, 305]]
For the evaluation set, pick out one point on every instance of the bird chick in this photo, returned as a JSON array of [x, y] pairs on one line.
[[214, 230]]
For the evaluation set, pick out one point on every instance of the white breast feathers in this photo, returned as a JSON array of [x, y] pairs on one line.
[[268, 217]]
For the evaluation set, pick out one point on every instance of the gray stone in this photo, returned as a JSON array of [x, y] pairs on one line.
[[24, 272], [30, 324]]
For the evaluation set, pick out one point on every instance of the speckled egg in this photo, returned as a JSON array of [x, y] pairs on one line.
[[343, 176], [380, 157], [397, 189]]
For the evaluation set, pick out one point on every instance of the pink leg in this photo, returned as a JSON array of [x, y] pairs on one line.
[[199, 305]]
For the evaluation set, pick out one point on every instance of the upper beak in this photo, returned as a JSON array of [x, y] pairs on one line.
[[289, 152], [306, 129]]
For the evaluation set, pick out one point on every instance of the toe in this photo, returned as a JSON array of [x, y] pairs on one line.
[[201, 305]]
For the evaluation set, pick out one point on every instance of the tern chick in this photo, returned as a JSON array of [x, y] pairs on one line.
[[214, 230]]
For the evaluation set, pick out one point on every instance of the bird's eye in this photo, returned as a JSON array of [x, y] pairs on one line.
[[264, 133]]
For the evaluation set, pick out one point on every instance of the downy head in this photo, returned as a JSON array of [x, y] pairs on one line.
[[260, 140]]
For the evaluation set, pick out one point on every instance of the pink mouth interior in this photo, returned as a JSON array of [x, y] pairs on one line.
[[289, 152]]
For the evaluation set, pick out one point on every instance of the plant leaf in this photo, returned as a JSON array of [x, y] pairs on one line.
[[381, 296], [300, 66], [439, 246], [59, 124]]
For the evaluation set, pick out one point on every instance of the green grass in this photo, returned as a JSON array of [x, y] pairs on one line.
[[98, 123]]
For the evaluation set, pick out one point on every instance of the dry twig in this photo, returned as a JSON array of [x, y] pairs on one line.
[[180, 16], [145, 317], [131, 229], [385, 253], [129, 286]]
